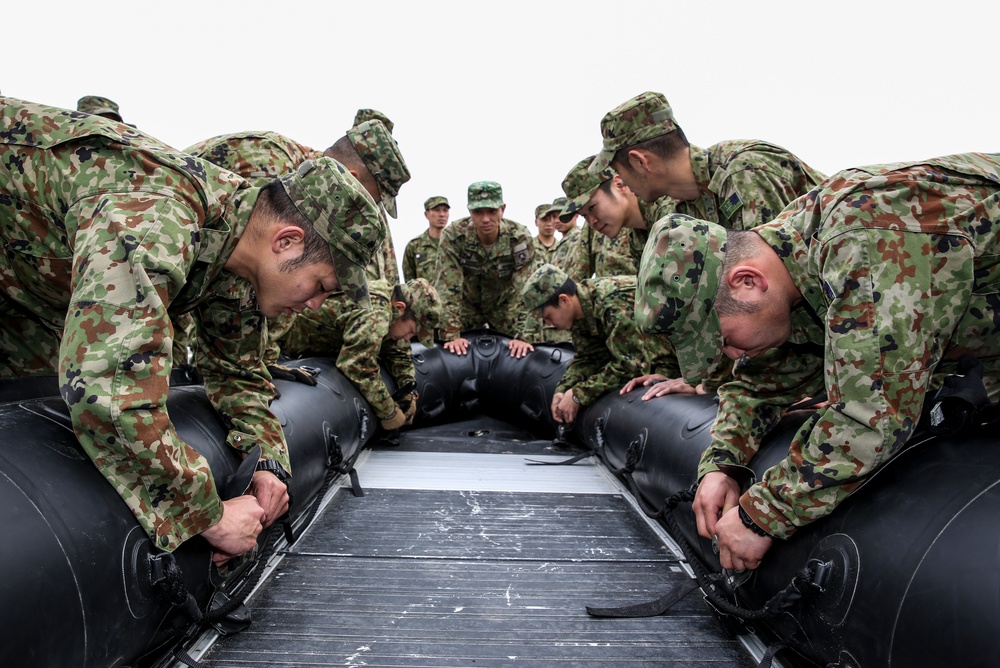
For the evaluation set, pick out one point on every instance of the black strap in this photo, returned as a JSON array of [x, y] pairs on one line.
[[649, 608]]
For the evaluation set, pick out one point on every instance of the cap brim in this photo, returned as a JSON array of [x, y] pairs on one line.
[[352, 278], [485, 204], [601, 161], [389, 202], [696, 355]]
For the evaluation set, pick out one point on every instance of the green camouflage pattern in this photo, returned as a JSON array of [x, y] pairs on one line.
[[596, 255], [485, 195], [364, 115], [424, 301], [536, 331], [109, 233], [609, 348], [543, 252], [381, 155], [258, 156], [566, 249], [636, 120], [542, 285], [437, 200], [482, 286], [355, 336], [580, 185], [99, 106], [899, 269], [420, 257], [678, 279], [344, 214]]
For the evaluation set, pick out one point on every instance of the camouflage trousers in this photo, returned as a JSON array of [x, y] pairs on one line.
[[28, 347]]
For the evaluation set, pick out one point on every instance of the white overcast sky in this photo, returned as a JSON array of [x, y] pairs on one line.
[[512, 90]]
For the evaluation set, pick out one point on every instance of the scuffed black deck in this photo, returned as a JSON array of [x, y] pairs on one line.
[[459, 577]]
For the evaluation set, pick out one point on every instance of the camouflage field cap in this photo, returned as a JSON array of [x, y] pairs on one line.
[[485, 195], [380, 153], [678, 277], [344, 214], [437, 200], [373, 115], [99, 106], [580, 185], [643, 117], [543, 283], [543, 210], [424, 302]]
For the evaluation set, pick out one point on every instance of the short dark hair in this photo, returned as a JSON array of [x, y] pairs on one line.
[[343, 151], [740, 245], [397, 296], [665, 146], [276, 205], [567, 288]]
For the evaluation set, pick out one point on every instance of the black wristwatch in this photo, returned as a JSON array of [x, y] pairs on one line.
[[275, 468]]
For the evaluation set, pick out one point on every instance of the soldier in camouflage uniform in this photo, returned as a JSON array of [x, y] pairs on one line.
[[737, 184], [545, 241], [609, 347], [482, 263], [368, 152], [99, 106], [109, 233], [864, 288], [357, 337], [420, 256]]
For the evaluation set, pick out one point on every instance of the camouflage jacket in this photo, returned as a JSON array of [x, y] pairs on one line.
[[610, 349], [596, 255], [480, 285], [545, 254], [108, 233], [899, 270], [420, 257], [260, 157], [566, 249], [356, 337], [743, 184]]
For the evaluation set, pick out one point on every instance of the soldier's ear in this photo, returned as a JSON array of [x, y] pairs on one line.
[[284, 238], [399, 306], [747, 282]]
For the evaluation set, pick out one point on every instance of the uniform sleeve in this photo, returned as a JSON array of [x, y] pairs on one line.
[[115, 361], [884, 337], [660, 357], [364, 330], [758, 192], [410, 261], [609, 362], [449, 284], [525, 323], [398, 359]]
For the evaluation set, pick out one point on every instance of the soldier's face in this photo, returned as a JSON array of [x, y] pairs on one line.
[[606, 211], [561, 316], [438, 216], [751, 334], [546, 226], [639, 181], [295, 290], [487, 221], [403, 329]]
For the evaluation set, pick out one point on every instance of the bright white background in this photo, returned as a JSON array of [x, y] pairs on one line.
[[514, 90]]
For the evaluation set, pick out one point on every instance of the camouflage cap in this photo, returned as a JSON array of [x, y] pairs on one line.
[[437, 200], [99, 106], [344, 214], [543, 283], [380, 153], [372, 115], [424, 302], [679, 275], [485, 195], [543, 210], [643, 117], [580, 185]]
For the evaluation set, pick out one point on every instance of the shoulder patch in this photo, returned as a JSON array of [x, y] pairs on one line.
[[729, 207]]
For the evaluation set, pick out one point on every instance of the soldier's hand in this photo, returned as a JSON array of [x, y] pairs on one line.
[[566, 409], [556, 398], [672, 386], [739, 548], [519, 349], [394, 421], [409, 402], [293, 374], [457, 346], [236, 532], [717, 494], [271, 494], [644, 381]]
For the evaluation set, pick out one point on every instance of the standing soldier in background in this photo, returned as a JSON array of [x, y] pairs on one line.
[[545, 242], [610, 349], [356, 337], [420, 256], [482, 264], [109, 234], [569, 231]]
